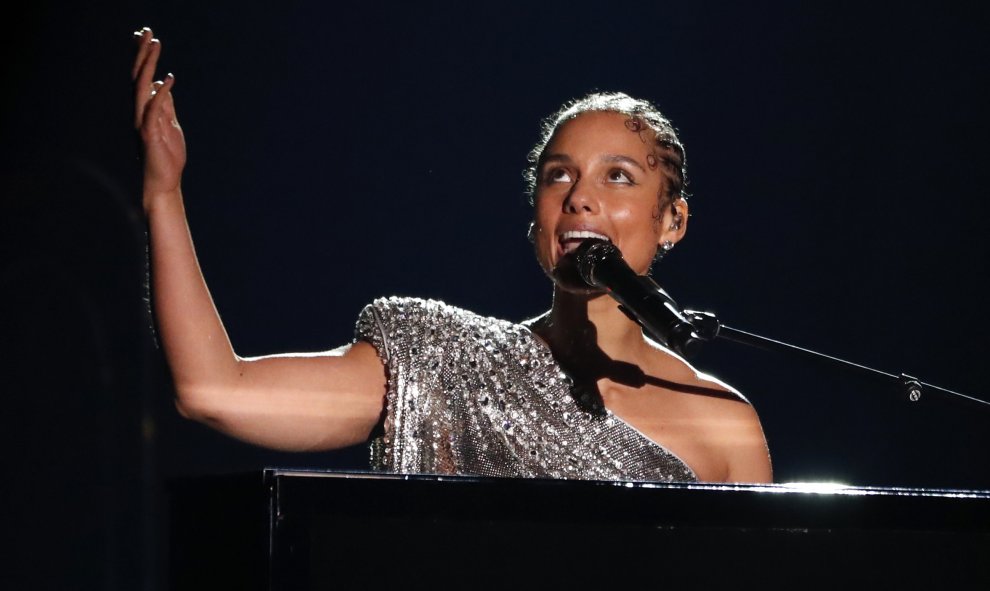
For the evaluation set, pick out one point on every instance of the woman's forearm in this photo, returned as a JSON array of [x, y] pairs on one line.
[[196, 346]]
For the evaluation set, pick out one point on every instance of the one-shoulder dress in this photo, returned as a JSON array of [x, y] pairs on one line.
[[474, 395]]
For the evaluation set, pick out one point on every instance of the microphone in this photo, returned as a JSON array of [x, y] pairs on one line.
[[600, 264]]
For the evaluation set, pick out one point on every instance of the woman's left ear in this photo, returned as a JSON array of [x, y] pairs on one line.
[[675, 221]]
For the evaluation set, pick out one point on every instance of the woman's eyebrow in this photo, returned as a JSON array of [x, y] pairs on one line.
[[622, 159], [555, 158], [611, 158]]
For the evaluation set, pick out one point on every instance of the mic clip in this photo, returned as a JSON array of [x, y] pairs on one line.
[[706, 324]]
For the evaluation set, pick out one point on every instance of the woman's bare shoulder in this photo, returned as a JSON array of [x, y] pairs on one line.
[[721, 418], [683, 372]]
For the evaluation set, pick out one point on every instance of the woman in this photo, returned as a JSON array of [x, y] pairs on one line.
[[578, 392]]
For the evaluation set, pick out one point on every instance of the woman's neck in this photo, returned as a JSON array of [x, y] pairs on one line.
[[577, 324]]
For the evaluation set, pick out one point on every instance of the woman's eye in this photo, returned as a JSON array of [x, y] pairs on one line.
[[558, 175], [619, 176]]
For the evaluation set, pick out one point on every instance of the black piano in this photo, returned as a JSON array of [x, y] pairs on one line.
[[298, 529]]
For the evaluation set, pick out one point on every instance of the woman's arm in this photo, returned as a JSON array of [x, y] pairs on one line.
[[291, 402]]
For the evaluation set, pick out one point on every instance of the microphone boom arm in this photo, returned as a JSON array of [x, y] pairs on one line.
[[707, 328]]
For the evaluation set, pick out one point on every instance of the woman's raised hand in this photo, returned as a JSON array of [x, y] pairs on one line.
[[154, 117]]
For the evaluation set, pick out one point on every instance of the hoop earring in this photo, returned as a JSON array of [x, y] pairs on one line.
[[531, 233]]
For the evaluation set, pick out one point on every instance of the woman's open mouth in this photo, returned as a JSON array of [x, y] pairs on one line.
[[570, 240]]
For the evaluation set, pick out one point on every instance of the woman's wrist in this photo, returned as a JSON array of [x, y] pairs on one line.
[[156, 200]]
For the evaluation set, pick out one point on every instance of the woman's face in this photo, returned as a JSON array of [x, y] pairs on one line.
[[600, 178]]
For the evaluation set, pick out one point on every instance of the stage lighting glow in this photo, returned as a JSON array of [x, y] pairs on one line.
[[817, 487]]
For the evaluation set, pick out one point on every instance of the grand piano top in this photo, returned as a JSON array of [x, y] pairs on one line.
[[316, 528], [788, 505]]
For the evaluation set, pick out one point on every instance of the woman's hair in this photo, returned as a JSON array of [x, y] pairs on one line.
[[670, 151]]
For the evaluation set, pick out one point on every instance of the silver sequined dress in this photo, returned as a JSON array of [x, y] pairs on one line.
[[481, 396]]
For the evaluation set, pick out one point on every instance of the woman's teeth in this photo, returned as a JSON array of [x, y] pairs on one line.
[[569, 241]]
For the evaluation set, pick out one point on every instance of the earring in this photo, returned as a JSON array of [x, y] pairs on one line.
[[531, 232], [665, 247]]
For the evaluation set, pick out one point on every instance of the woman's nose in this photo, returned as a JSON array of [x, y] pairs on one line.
[[581, 199]]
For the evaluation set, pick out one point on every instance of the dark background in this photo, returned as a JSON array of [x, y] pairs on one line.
[[837, 158]]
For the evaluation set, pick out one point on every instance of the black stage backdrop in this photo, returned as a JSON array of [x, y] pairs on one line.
[[837, 157]]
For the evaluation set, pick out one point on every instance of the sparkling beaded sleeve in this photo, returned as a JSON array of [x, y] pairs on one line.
[[468, 394]]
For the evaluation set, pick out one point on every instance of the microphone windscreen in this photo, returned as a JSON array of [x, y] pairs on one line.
[[592, 253]]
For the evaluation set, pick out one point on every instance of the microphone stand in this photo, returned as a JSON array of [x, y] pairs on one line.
[[600, 264], [707, 327]]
